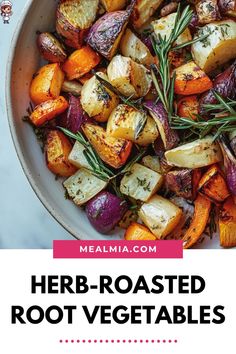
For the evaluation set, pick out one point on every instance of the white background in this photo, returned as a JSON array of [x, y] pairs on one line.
[[216, 267], [24, 222]]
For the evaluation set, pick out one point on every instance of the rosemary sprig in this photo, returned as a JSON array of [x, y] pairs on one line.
[[97, 166], [216, 125], [161, 75]]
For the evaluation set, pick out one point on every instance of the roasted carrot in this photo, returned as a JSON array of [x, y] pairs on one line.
[[213, 185], [227, 223], [138, 232], [48, 110], [47, 83], [58, 148], [188, 107], [80, 62], [112, 151], [191, 80], [199, 221]]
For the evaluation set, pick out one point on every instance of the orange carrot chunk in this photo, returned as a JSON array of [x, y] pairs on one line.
[[81, 62], [213, 185], [227, 223], [138, 232], [47, 83], [188, 107], [199, 221], [58, 148], [191, 80], [48, 110]]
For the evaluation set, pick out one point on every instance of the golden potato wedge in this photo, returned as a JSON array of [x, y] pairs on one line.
[[97, 101], [218, 48], [143, 10], [160, 215], [130, 78], [111, 5], [74, 17]]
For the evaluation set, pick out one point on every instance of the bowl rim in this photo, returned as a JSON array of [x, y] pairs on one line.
[[10, 115]]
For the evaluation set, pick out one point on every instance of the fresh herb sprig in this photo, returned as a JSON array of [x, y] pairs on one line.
[[161, 74], [97, 166], [217, 125]]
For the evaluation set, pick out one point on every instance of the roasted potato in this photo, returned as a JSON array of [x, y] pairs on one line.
[[112, 151], [111, 5], [129, 123], [216, 49], [207, 11], [74, 17], [97, 101], [160, 215], [77, 156], [131, 46], [105, 35], [164, 26], [58, 148], [46, 83], [130, 78], [73, 87], [83, 186], [140, 182], [227, 7], [50, 48], [143, 10], [152, 162], [199, 153]]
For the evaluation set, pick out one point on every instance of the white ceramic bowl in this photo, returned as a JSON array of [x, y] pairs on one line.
[[23, 62]]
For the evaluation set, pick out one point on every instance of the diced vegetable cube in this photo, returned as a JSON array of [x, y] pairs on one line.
[[138, 232], [140, 182], [143, 10], [152, 162], [160, 215], [83, 186], [77, 157]]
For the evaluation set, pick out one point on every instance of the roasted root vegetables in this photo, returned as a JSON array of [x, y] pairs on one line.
[[83, 186], [136, 107], [218, 47], [213, 185], [58, 148], [190, 80], [202, 208], [227, 223], [126, 122], [140, 182], [130, 78], [46, 83], [131, 46], [74, 17], [143, 10], [138, 232], [50, 48], [111, 150], [98, 101], [199, 153], [160, 215], [48, 110], [105, 35], [80, 62]]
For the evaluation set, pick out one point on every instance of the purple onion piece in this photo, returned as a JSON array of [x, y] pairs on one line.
[[105, 211], [230, 167], [168, 135]]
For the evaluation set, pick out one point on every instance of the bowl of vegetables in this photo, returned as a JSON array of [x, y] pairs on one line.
[[123, 115]]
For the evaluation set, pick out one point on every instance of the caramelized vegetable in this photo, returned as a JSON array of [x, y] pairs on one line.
[[80, 62], [183, 182], [213, 186], [143, 10], [58, 148], [227, 7], [46, 83], [201, 215], [74, 17], [50, 48], [48, 110], [190, 80], [207, 11], [112, 151], [138, 232], [111, 5], [188, 107], [227, 223]]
